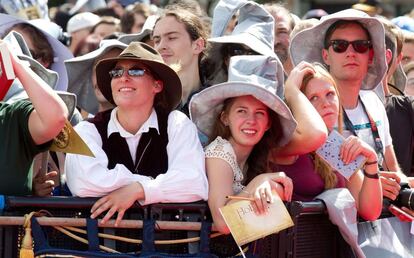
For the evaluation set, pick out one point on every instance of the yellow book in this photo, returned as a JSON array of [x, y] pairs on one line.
[[246, 226]]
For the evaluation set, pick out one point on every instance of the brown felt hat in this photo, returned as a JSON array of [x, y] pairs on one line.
[[146, 55]]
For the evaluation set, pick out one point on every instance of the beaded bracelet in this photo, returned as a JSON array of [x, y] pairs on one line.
[[372, 176]]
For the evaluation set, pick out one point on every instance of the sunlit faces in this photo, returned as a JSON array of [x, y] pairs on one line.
[[130, 91], [173, 42], [349, 65], [323, 97], [247, 119]]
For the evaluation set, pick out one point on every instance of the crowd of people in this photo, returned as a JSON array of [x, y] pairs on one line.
[[177, 106]]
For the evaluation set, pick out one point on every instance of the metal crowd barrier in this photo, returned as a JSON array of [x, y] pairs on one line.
[[312, 236]]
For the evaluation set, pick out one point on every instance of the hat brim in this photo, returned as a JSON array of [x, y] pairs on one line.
[[146, 31], [171, 81], [21, 49], [70, 101], [138, 37], [247, 39], [80, 79], [307, 45], [206, 105], [60, 51], [400, 80]]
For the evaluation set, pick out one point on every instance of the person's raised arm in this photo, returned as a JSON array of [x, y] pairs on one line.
[[311, 131], [50, 112]]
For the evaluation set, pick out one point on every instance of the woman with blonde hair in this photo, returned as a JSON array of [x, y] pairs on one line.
[[310, 175]]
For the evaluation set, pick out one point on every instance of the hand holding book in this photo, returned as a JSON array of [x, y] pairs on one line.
[[246, 225], [346, 155], [262, 186]]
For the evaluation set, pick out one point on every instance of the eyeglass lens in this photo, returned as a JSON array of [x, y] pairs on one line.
[[360, 46], [134, 72]]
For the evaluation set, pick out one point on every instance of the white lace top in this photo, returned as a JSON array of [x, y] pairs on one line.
[[222, 149]]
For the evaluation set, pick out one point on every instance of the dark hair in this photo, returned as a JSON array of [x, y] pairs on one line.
[[86, 45], [43, 49], [257, 160], [128, 18], [339, 25]]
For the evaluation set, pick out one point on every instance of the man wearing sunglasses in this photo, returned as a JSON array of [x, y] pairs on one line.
[[144, 149], [351, 44]]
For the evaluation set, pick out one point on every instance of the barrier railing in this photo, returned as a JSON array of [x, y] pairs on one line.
[[312, 236]]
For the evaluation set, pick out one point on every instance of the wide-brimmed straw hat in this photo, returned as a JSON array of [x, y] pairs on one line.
[[60, 51], [254, 29], [248, 75], [81, 68], [307, 45], [148, 56]]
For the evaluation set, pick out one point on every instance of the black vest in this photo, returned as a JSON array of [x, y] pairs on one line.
[[151, 157]]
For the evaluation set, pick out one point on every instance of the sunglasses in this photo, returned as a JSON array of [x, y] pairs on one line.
[[133, 72], [340, 45]]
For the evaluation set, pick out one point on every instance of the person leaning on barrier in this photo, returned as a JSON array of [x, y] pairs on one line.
[[352, 45], [310, 175], [243, 119], [145, 151], [27, 128]]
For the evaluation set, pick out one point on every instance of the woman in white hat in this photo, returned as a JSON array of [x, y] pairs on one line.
[[310, 175], [244, 119]]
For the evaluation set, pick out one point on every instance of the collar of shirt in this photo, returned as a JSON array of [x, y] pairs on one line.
[[114, 125]]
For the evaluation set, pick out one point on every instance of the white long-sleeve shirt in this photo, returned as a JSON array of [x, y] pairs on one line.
[[184, 181]]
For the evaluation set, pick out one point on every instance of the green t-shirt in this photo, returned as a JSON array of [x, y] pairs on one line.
[[17, 150]]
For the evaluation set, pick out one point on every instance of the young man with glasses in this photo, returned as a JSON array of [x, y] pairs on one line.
[[351, 44], [144, 149]]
